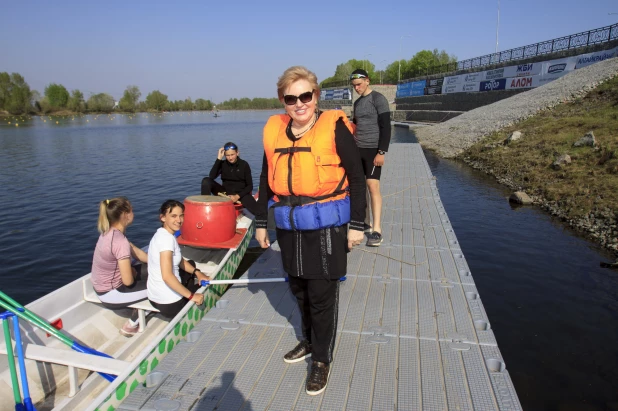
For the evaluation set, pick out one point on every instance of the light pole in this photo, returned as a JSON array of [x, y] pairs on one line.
[[400, 42], [366, 55], [380, 63], [497, 26]]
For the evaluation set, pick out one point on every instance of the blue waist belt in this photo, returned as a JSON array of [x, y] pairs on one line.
[[313, 216]]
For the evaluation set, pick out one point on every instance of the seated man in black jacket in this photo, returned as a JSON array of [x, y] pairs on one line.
[[235, 175]]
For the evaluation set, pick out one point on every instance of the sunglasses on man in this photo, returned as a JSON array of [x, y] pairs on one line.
[[304, 98], [230, 147], [357, 76]]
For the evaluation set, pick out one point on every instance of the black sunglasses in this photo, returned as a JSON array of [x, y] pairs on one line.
[[230, 147], [304, 98]]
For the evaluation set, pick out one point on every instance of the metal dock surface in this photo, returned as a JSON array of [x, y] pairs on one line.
[[412, 332]]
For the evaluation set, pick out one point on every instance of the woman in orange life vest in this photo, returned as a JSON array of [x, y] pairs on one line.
[[312, 165]]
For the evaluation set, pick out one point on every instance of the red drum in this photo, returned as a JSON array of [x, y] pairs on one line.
[[208, 220]]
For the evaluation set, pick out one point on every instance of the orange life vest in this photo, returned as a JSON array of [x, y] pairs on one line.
[[310, 166]]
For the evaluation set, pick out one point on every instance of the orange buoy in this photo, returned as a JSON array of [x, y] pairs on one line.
[[209, 220]]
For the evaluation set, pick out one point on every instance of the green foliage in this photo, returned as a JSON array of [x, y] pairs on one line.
[[76, 102], [101, 102], [343, 71], [5, 89], [130, 98], [15, 94], [156, 100], [245, 103], [201, 104], [57, 95], [416, 66]]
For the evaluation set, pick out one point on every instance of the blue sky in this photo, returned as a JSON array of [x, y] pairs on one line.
[[223, 49]]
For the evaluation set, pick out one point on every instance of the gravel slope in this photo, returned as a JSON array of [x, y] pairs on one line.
[[453, 137]]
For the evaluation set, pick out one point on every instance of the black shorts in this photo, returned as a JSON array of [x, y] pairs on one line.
[[367, 157]]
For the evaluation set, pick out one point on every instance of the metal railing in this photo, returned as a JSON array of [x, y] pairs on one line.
[[573, 41]]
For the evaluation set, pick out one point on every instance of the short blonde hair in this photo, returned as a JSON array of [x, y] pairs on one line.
[[292, 75]]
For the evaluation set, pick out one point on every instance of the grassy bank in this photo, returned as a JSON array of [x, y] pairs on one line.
[[583, 193]]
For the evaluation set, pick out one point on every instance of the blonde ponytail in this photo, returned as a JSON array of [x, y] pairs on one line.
[[110, 212]]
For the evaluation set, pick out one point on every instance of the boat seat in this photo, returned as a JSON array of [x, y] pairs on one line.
[[142, 306], [74, 360]]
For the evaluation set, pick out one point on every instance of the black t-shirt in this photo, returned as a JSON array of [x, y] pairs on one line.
[[236, 177]]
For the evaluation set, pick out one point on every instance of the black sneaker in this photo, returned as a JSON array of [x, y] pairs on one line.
[[318, 378], [299, 353], [374, 239]]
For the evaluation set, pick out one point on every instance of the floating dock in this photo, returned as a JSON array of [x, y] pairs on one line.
[[412, 332]]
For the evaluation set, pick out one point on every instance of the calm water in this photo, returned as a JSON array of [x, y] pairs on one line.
[[553, 310]]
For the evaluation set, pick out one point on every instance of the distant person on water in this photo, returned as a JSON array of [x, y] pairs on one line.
[[171, 282], [312, 165], [116, 282], [373, 135], [235, 175]]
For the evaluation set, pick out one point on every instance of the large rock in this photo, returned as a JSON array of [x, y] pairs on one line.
[[561, 161], [587, 140], [515, 135], [520, 197]]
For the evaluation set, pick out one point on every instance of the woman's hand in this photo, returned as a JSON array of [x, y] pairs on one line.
[[198, 299], [378, 160], [221, 153], [234, 197], [201, 276], [261, 235], [355, 237]]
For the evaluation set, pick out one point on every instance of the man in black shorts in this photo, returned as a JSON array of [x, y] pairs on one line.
[[373, 135]]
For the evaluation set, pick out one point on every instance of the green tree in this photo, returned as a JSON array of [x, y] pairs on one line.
[[18, 95], [101, 102], [425, 61], [156, 100], [57, 95], [343, 71], [5, 89], [76, 101], [187, 105], [201, 104], [130, 98]]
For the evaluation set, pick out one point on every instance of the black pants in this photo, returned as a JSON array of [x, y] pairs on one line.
[[170, 310], [318, 301], [210, 186]]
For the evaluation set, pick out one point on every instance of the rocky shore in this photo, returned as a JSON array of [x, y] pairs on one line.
[[601, 225], [455, 139]]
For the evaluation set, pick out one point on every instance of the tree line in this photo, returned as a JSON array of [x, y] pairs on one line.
[[16, 97], [413, 67]]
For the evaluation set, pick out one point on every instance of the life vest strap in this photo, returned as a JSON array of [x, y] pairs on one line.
[[292, 150], [297, 201]]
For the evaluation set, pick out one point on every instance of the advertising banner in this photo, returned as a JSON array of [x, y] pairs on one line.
[[494, 74], [515, 83], [559, 66], [433, 90], [546, 78], [411, 89], [435, 82], [591, 58], [452, 80], [468, 87], [492, 85], [478, 77], [336, 94]]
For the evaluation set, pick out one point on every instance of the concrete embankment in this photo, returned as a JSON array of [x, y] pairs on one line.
[[452, 137]]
